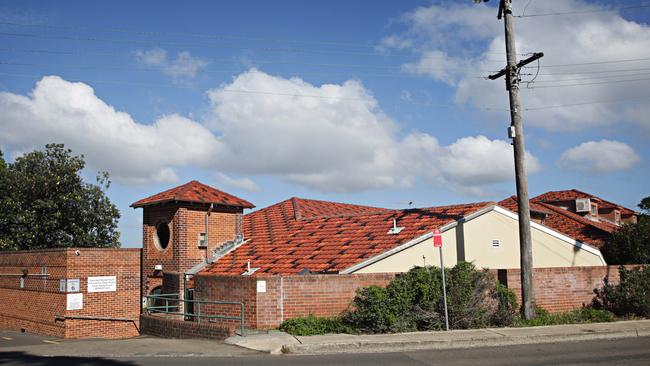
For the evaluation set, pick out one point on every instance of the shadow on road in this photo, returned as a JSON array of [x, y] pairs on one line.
[[22, 358]]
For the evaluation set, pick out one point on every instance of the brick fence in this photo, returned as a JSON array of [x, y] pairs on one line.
[[31, 298], [563, 288], [270, 300]]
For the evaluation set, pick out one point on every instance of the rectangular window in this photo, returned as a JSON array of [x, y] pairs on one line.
[[617, 216], [202, 243], [496, 243], [594, 209]]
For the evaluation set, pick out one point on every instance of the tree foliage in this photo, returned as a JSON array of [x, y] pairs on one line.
[[44, 203], [631, 243], [631, 297]]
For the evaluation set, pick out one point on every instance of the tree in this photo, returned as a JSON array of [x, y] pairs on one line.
[[46, 204], [631, 243], [645, 206]]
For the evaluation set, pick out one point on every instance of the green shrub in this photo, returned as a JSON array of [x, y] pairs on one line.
[[312, 325], [414, 301], [578, 316], [631, 297], [374, 311]]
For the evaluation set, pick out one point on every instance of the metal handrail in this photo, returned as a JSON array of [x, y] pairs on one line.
[[167, 308]]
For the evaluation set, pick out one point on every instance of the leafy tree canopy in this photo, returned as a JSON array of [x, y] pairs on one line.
[[44, 203], [631, 243]]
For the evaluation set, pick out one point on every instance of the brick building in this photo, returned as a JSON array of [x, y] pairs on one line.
[[301, 256], [71, 292]]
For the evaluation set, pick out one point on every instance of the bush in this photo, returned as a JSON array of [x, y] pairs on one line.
[[630, 244], [312, 325], [631, 297], [374, 311], [414, 301], [578, 316]]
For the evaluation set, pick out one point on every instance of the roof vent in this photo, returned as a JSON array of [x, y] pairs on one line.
[[583, 205], [249, 270], [395, 230]]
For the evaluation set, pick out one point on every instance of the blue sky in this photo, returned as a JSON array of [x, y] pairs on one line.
[[372, 102]]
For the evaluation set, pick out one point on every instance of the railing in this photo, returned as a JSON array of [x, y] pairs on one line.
[[172, 304]]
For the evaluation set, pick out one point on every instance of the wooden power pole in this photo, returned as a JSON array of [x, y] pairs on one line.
[[516, 132]]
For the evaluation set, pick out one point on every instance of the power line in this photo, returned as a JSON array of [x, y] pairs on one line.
[[220, 46], [606, 101], [592, 78], [596, 62], [595, 72], [582, 11], [594, 83], [212, 71], [440, 105], [244, 91], [204, 36]]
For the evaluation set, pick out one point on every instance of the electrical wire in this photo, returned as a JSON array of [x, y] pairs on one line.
[[583, 11], [216, 46], [607, 101], [204, 36], [594, 83]]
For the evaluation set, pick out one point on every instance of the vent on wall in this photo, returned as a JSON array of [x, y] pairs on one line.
[[496, 243]]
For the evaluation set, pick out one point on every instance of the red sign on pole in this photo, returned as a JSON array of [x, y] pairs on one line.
[[437, 239]]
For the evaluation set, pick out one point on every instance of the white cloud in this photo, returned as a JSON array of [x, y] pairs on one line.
[[70, 113], [243, 183], [457, 43], [338, 139], [599, 156], [341, 144], [183, 66]]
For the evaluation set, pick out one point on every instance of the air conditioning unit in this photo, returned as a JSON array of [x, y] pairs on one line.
[[583, 205]]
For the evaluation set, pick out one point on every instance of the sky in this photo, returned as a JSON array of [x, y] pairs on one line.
[[384, 103]]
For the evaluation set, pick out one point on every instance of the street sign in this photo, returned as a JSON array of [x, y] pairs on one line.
[[437, 243], [437, 239]]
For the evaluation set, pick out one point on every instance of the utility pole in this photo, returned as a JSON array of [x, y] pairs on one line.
[[516, 133]]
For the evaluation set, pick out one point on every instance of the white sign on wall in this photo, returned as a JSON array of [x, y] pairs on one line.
[[69, 285], [75, 301], [102, 284], [261, 286]]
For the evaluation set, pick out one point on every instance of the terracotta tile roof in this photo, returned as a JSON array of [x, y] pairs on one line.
[[194, 192], [327, 237], [594, 233], [572, 194]]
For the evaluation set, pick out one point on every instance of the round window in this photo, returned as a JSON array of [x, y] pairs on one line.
[[162, 236]]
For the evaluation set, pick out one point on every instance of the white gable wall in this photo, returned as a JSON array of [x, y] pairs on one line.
[[474, 244]]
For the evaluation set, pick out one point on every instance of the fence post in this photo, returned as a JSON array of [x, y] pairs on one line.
[[198, 311]]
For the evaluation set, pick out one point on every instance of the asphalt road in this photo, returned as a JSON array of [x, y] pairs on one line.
[[630, 351]]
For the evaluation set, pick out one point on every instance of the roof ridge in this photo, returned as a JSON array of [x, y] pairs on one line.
[[186, 187], [296, 208], [401, 210]]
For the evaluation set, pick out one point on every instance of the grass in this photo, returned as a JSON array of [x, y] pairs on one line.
[[578, 316]]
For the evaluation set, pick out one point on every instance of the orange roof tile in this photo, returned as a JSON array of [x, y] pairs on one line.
[[295, 234], [194, 192], [594, 233], [572, 194]]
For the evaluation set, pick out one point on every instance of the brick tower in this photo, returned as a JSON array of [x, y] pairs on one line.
[[181, 228]]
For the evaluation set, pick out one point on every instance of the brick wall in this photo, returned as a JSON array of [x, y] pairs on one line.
[[185, 222], [565, 288], [160, 326], [40, 307], [285, 297]]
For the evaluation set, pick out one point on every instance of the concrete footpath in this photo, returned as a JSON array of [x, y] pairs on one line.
[[276, 342]]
